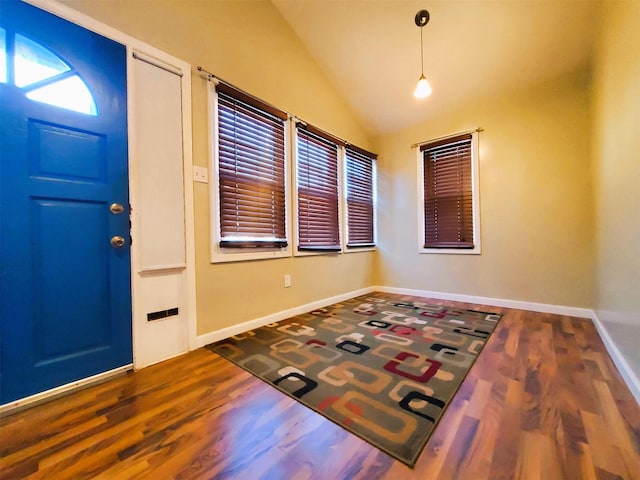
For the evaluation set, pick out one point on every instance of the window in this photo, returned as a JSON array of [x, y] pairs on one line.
[[450, 210], [252, 150], [43, 76], [317, 190], [70, 93], [33, 63], [360, 197], [250, 163]]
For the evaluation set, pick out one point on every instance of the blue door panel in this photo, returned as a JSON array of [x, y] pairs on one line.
[[66, 153], [66, 292], [62, 311]]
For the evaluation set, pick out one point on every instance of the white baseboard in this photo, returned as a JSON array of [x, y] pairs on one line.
[[223, 333], [496, 302], [630, 377]]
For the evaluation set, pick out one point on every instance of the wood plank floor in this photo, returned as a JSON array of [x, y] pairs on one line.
[[543, 401]]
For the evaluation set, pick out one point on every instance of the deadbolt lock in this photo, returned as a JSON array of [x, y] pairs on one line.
[[117, 241]]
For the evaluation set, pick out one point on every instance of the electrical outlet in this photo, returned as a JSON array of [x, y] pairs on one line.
[[200, 174], [287, 280]]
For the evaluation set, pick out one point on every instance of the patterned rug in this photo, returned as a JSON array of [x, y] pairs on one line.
[[382, 366]]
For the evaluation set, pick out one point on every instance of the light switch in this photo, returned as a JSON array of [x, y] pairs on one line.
[[200, 174]]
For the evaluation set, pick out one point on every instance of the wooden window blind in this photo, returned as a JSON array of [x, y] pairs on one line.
[[448, 196], [251, 169], [317, 183], [360, 192]]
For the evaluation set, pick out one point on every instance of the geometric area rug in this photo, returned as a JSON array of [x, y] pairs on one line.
[[383, 367]]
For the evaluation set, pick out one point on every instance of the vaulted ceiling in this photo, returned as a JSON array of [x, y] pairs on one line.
[[370, 50]]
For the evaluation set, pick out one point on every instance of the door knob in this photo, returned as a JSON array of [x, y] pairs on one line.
[[117, 241]]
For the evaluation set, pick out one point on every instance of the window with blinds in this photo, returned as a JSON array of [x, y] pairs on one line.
[[317, 191], [448, 193], [360, 185], [251, 170]]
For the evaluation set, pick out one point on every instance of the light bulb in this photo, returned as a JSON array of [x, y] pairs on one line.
[[423, 89]]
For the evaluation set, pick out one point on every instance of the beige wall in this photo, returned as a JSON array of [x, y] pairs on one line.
[[536, 202], [617, 175], [248, 44]]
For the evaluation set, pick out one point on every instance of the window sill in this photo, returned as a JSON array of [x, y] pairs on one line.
[[451, 251], [226, 255]]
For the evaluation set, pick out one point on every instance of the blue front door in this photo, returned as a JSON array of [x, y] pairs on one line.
[[65, 245]]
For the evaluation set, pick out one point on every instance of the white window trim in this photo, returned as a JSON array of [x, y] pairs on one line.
[[475, 190], [345, 217], [341, 207], [219, 254]]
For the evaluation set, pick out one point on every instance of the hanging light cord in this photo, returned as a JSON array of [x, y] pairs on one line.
[[421, 53]]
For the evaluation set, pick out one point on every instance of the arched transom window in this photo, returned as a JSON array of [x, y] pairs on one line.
[[43, 75]]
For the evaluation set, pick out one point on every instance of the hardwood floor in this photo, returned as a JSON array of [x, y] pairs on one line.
[[543, 401]]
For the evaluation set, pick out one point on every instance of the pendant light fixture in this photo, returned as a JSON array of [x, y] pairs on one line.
[[423, 89]]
